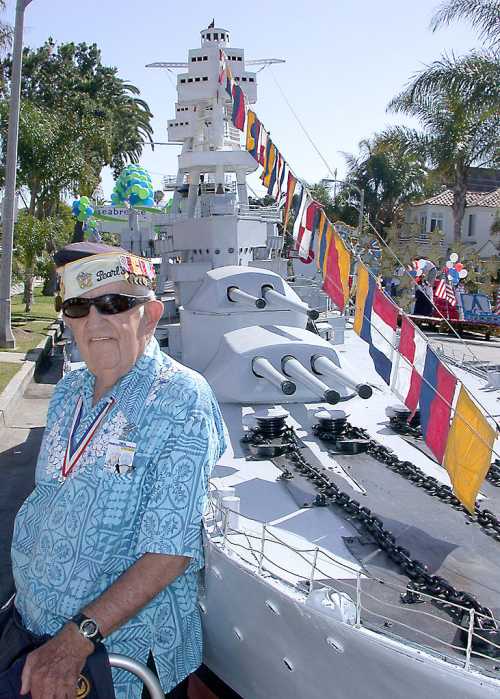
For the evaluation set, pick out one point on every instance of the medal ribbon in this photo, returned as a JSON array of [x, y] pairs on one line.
[[74, 452]]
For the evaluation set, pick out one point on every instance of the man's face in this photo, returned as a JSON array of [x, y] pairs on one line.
[[113, 343]]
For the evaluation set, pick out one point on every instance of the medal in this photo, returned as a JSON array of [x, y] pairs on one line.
[[74, 451]]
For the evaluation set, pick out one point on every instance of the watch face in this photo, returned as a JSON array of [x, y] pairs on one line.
[[89, 628]]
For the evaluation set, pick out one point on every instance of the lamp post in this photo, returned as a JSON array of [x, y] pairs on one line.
[[361, 193], [6, 336]]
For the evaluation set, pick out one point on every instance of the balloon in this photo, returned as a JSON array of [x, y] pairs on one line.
[[454, 257], [458, 266], [449, 264], [463, 273]]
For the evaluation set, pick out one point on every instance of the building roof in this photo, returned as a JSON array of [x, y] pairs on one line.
[[445, 198]]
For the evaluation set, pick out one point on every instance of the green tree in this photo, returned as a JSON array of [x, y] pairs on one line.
[[389, 175], [67, 87], [31, 236], [456, 134]]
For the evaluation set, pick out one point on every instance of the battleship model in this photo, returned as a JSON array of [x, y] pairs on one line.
[[338, 561]]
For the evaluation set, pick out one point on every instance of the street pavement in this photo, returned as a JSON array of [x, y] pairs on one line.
[[19, 445]]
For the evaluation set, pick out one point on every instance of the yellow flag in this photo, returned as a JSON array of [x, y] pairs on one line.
[[468, 450]]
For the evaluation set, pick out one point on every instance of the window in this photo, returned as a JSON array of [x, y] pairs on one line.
[[205, 58], [423, 224], [197, 80], [183, 80], [436, 222], [209, 36], [250, 80], [244, 80], [216, 36], [471, 229], [193, 59], [190, 80], [204, 78]]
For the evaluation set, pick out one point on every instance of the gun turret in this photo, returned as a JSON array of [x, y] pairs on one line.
[[236, 295], [263, 369], [293, 368], [275, 300], [323, 366]]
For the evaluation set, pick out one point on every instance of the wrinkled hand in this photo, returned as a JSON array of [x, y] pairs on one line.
[[51, 671]]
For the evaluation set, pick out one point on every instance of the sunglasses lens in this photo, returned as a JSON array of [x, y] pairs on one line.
[[110, 304], [76, 308]]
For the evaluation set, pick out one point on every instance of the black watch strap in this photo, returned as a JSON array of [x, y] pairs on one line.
[[88, 628]]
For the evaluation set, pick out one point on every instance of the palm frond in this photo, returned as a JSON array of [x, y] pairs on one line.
[[483, 15]]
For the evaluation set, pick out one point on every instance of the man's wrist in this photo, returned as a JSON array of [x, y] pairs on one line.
[[71, 631], [88, 628]]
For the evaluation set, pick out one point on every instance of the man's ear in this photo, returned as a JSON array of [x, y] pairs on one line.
[[153, 311]]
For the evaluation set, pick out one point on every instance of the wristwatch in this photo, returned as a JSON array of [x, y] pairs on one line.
[[88, 628]]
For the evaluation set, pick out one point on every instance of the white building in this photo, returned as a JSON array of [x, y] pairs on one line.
[[481, 212]]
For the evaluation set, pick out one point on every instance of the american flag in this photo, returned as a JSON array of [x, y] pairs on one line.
[[444, 290], [497, 307]]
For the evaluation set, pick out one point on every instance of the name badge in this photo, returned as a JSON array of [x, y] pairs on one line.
[[119, 457]]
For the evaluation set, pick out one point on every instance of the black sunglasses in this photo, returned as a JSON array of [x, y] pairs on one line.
[[108, 305]]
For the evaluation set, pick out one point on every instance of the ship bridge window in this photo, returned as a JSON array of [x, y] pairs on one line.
[[244, 80], [251, 80], [209, 36], [183, 80], [205, 58], [205, 78], [197, 80], [216, 35]]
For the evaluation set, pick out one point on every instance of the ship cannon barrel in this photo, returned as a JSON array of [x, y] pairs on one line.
[[323, 366], [293, 368], [275, 300], [263, 368], [236, 295]]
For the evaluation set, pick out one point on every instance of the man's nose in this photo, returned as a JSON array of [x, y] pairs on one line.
[[94, 318]]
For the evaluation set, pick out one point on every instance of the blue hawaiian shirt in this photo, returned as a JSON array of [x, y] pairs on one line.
[[73, 539]]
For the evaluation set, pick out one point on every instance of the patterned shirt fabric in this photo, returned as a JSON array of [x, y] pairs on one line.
[[73, 538]]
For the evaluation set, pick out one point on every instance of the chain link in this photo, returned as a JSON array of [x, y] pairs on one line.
[[420, 579]]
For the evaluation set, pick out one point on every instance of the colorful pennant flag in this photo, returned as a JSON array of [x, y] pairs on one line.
[[290, 189], [298, 208], [262, 152], [468, 451], [409, 366], [273, 175], [238, 114], [375, 321], [323, 241], [306, 225], [253, 132], [436, 398], [338, 266]]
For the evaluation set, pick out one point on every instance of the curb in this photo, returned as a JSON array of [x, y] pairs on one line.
[[17, 385]]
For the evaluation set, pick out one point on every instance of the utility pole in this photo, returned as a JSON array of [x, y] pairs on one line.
[[6, 336]]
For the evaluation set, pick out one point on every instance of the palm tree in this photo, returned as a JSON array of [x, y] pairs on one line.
[[484, 15], [457, 101], [456, 134], [389, 175]]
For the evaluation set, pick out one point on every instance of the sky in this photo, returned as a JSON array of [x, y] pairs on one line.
[[344, 61]]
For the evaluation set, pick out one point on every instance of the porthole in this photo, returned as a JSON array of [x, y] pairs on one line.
[[288, 664], [335, 645], [238, 634], [272, 607]]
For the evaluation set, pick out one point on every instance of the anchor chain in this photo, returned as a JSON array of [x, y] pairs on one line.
[[421, 581], [485, 518]]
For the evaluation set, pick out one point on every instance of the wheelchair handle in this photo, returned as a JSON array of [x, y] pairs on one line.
[[149, 680]]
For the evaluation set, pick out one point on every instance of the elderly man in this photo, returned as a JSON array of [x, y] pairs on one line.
[[108, 546]]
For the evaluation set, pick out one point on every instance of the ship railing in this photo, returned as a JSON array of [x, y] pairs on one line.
[[266, 213], [249, 538]]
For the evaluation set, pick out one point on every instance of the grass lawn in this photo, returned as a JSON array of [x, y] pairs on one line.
[[30, 328], [7, 371]]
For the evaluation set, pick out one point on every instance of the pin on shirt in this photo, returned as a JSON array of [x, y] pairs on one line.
[[119, 457]]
